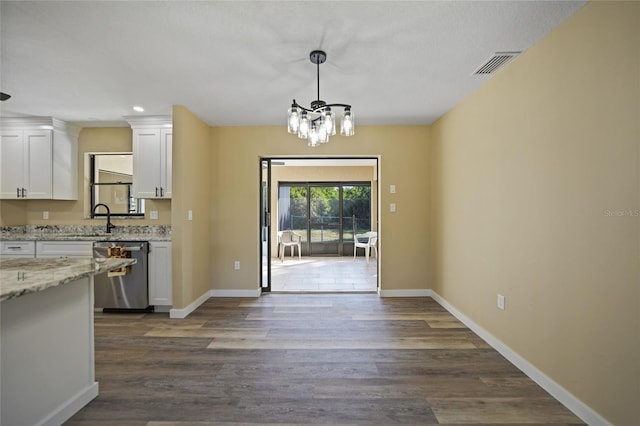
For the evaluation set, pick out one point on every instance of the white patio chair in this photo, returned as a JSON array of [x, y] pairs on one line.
[[289, 239], [367, 241]]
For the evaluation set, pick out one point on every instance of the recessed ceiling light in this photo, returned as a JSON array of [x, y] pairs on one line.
[[138, 108]]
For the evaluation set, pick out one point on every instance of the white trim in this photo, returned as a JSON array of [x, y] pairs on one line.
[[405, 293], [236, 293], [148, 121], [43, 123], [70, 407], [182, 313], [565, 397]]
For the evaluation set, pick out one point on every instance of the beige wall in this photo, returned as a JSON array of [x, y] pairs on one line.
[[13, 213], [192, 191], [537, 197], [404, 161], [108, 139]]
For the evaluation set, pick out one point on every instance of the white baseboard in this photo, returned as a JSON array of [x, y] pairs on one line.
[[236, 293], [182, 313], [579, 408], [405, 293], [70, 407]]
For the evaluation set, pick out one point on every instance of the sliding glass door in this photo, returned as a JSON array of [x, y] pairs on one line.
[[356, 201], [325, 220], [325, 215]]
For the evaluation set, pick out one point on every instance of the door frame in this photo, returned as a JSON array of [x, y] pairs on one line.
[[265, 223], [265, 249]]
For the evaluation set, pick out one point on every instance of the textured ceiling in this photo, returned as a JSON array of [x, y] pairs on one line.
[[240, 63]]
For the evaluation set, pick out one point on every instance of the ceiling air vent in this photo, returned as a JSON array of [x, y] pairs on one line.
[[492, 64]]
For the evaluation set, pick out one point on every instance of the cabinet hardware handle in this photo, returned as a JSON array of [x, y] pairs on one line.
[[161, 192], [18, 192], [13, 248], [156, 191], [24, 195]]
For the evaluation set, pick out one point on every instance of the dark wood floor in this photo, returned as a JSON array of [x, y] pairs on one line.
[[348, 359]]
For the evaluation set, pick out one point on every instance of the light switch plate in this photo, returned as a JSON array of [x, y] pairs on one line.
[[45, 215], [392, 207], [392, 189], [190, 215]]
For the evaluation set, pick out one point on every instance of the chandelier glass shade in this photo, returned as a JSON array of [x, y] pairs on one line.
[[317, 123]]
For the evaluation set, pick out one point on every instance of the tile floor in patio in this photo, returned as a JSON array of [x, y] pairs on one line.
[[324, 274]]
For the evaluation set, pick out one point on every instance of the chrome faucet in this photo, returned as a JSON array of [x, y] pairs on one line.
[[110, 225]]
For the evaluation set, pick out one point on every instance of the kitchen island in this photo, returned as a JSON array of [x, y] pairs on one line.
[[47, 338]]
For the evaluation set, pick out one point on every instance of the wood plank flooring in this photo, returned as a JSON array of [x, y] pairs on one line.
[[302, 359]]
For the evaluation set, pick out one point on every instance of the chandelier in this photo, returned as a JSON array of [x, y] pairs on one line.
[[318, 123]]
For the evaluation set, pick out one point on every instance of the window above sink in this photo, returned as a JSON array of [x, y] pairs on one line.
[[111, 180]]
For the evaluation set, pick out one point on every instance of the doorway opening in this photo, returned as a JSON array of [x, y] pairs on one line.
[[325, 203]]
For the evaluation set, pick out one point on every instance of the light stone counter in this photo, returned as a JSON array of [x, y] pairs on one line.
[[84, 233], [23, 276], [47, 341]]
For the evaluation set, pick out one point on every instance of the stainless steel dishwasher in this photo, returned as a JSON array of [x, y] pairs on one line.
[[126, 290]]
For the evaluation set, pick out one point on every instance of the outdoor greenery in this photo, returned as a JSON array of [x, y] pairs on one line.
[[324, 209]]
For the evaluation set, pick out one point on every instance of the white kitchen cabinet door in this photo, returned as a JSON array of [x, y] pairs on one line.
[[160, 281], [152, 163], [12, 165], [27, 164], [39, 167], [58, 249], [38, 163], [146, 163], [166, 166], [17, 249]]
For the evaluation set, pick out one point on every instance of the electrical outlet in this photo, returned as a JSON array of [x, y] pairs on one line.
[[45, 215], [153, 215], [392, 207], [501, 302], [236, 265], [190, 215], [392, 189]]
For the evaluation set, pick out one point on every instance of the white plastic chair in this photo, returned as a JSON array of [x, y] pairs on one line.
[[370, 243], [289, 239]]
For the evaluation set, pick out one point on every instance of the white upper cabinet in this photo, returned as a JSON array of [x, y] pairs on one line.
[[38, 159], [152, 145]]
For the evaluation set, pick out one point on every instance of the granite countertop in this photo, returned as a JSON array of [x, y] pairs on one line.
[[23, 276], [84, 233], [87, 237]]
